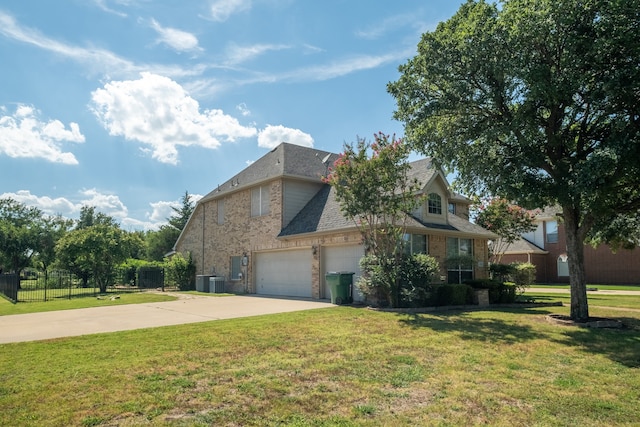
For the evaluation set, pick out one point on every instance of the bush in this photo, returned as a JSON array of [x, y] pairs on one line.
[[181, 272], [499, 293], [451, 294], [501, 272], [415, 274], [523, 276]]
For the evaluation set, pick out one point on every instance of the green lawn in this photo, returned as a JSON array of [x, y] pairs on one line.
[[56, 304], [341, 366], [597, 286]]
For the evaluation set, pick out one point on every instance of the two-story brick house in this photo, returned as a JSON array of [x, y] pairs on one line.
[[546, 248], [275, 228]]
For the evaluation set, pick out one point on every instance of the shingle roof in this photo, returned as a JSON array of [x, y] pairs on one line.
[[322, 213], [523, 246], [286, 160]]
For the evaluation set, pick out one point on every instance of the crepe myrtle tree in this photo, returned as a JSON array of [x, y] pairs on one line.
[[373, 187], [507, 220], [538, 102]]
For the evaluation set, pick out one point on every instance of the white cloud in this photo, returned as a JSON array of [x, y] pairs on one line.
[[272, 136], [179, 40], [57, 206], [97, 60], [221, 10], [109, 204], [238, 54], [102, 4], [23, 134], [389, 24], [162, 210], [242, 108], [158, 112]]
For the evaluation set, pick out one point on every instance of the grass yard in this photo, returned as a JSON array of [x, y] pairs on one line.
[[341, 366], [7, 308]]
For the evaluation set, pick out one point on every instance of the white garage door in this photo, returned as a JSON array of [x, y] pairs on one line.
[[284, 273], [342, 258]]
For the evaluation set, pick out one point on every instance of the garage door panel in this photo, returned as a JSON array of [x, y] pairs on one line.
[[343, 258], [284, 273]]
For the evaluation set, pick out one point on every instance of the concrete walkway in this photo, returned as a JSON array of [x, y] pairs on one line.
[[566, 291], [187, 309]]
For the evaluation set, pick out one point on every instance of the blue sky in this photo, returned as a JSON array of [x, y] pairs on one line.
[[126, 104]]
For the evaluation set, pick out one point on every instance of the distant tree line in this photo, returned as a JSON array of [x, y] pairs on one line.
[[92, 247]]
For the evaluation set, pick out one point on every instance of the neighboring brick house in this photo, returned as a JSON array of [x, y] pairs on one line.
[[546, 248], [275, 228]]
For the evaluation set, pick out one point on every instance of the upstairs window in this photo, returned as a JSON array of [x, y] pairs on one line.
[[435, 204], [551, 228], [260, 201], [451, 207]]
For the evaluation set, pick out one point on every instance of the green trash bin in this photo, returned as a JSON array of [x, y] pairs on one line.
[[340, 285]]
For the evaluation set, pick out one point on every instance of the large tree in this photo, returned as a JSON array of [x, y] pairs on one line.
[[95, 248], [536, 101], [20, 227], [181, 214], [374, 188]]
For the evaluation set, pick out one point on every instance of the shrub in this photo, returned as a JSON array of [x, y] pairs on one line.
[[451, 294], [181, 272], [523, 276], [415, 274], [499, 293], [501, 272]]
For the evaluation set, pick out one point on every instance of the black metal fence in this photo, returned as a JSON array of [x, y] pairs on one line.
[[55, 284], [9, 286], [59, 284]]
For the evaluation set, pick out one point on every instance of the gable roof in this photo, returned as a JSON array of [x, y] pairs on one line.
[[322, 213], [523, 246], [286, 160]]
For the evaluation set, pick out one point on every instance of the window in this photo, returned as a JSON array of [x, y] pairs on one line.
[[451, 207], [220, 212], [260, 201], [460, 252], [236, 267], [415, 244], [551, 228], [563, 266], [435, 204]]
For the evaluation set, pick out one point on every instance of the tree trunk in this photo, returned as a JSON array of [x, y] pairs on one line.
[[575, 252]]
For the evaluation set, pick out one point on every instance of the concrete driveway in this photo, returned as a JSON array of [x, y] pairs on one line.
[[187, 309]]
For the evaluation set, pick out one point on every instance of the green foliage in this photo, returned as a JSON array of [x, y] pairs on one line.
[[182, 214], [95, 251], [20, 229], [505, 219], [451, 294], [372, 184], [499, 292], [502, 272], [53, 228], [415, 276], [524, 275], [160, 242], [535, 101], [180, 271]]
